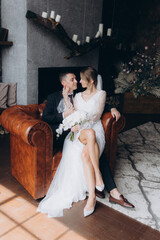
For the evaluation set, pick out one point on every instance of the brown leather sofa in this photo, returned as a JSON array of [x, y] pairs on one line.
[[31, 144]]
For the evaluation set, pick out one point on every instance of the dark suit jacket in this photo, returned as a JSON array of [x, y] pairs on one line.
[[50, 113]]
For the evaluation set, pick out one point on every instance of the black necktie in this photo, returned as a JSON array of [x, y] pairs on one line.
[[71, 98]]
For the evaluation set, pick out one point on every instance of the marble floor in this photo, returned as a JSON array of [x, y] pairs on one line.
[[137, 173]]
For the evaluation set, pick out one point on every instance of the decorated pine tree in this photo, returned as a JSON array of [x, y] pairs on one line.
[[141, 75]]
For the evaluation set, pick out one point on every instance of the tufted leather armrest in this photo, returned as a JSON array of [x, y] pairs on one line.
[[31, 144], [21, 122], [112, 129]]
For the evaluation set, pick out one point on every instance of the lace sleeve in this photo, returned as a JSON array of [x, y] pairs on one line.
[[75, 101], [100, 107]]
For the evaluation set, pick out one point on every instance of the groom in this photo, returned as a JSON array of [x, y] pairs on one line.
[[54, 113]]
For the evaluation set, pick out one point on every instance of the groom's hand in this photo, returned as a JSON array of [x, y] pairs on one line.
[[68, 111], [115, 114]]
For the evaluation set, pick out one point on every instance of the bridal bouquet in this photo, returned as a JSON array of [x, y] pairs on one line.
[[78, 117]]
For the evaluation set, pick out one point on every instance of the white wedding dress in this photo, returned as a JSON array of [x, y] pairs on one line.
[[69, 184]]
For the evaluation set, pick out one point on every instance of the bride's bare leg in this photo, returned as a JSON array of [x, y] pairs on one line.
[[87, 137], [90, 178]]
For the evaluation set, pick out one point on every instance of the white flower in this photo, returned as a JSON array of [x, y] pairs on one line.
[[60, 129], [78, 117]]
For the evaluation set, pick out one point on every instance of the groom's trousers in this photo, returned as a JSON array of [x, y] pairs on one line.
[[106, 174]]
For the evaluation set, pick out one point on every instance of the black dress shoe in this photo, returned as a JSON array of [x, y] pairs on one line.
[[121, 201], [99, 194]]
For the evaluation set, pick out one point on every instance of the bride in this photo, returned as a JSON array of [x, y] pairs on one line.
[[74, 178]]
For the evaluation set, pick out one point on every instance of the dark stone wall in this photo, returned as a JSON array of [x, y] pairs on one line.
[[14, 58]]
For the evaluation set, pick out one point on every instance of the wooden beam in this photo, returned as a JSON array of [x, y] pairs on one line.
[[6, 43], [57, 29]]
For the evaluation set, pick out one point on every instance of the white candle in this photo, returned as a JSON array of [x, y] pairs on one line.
[[109, 31], [78, 42], [98, 34], [58, 18], [52, 15], [75, 37], [44, 14], [119, 46], [87, 39], [101, 29]]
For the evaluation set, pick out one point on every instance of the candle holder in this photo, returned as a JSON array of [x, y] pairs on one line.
[[53, 21]]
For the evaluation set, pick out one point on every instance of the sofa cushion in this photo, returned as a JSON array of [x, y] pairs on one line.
[[3, 95], [12, 94]]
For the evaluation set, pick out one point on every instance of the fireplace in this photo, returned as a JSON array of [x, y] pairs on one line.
[[48, 80]]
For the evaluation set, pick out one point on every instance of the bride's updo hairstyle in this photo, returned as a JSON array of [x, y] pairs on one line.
[[89, 73]]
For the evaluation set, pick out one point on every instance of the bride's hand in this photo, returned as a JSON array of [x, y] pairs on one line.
[[76, 128], [69, 110], [65, 92]]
